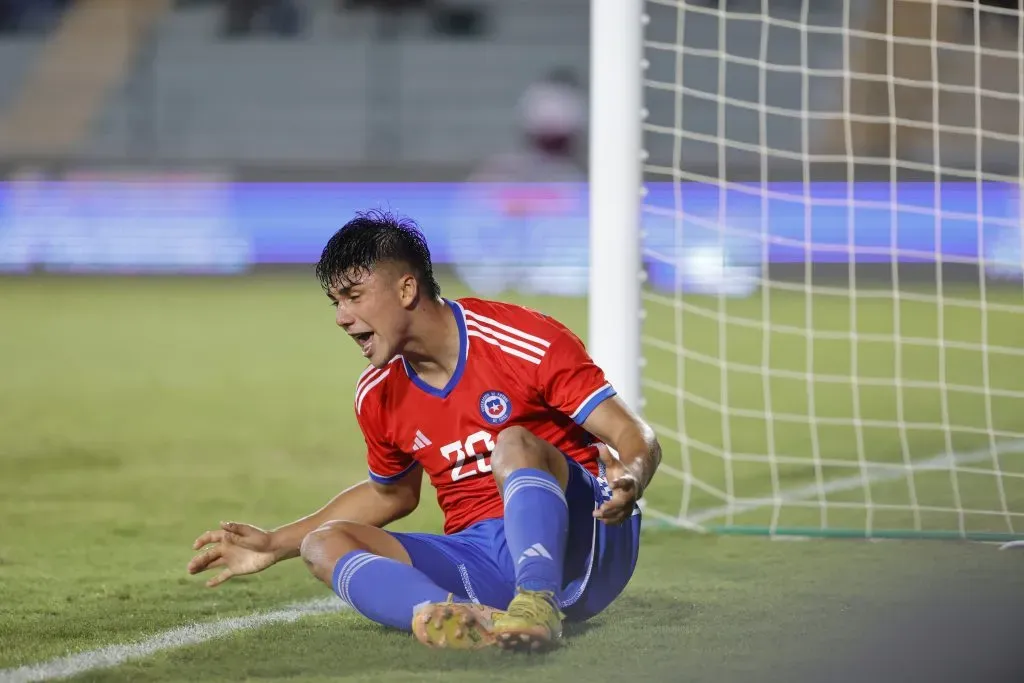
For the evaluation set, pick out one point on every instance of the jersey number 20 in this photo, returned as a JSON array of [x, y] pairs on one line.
[[477, 446]]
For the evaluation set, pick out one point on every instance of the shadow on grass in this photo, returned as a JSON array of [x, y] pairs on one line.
[[639, 608]]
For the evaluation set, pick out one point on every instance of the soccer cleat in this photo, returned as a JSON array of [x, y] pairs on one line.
[[455, 625], [532, 622]]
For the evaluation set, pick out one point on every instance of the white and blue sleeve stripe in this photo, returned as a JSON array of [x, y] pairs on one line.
[[580, 415], [380, 479]]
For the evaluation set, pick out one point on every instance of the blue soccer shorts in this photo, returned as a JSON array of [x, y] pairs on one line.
[[475, 563]]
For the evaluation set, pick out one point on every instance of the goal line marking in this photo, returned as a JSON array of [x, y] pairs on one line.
[[938, 463], [190, 634]]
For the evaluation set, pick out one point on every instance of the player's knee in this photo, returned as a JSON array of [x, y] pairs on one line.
[[516, 447], [321, 548], [312, 545]]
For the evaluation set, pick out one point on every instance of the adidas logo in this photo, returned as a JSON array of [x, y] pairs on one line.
[[535, 550], [421, 441]]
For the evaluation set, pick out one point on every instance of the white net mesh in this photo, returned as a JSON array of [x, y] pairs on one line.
[[834, 332]]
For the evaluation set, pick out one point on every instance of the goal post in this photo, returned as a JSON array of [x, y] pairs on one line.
[[806, 260], [615, 149]]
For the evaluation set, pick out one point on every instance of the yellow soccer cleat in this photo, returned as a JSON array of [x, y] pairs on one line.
[[532, 622], [455, 625]]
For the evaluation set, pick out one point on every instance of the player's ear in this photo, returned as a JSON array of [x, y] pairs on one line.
[[408, 289]]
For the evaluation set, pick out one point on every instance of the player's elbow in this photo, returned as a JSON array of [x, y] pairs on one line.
[[654, 449], [651, 444], [407, 503], [400, 499]]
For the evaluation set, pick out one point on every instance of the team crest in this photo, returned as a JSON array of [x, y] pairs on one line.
[[495, 407]]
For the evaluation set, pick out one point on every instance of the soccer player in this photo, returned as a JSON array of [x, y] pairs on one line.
[[536, 462]]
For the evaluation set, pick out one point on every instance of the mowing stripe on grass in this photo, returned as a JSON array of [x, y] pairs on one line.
[[942, 462], [113, 655]]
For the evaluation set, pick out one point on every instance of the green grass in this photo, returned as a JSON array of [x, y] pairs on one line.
[[135, 413], [796, 390]]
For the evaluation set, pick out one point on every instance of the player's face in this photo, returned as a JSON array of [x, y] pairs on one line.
[[373, 310]]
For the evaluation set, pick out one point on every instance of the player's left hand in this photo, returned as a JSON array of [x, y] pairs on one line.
[[625, 489]]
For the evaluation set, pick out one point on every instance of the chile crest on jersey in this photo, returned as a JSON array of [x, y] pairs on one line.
[[495, 407]]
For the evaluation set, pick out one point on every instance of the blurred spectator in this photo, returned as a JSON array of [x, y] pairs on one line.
[[275, 17], [1010, 5], [450, 18], [522, 219], [30, 16], [1006, 12], [391, 5]]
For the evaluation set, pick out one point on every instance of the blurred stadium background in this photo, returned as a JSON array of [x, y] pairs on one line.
[[834, 309]]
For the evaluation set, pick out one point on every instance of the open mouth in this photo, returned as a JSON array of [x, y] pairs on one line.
[[364, 339]]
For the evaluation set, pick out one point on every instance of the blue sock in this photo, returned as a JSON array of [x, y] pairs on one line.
[[384, 590], [536, 528]]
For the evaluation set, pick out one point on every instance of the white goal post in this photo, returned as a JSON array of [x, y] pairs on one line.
[[806, 259], [616, 51]]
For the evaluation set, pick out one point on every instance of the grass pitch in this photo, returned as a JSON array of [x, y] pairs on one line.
[[135, 413], [790, 392]]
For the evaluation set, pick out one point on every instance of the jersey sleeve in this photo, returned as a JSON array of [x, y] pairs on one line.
[[387, 463], [570, 381]]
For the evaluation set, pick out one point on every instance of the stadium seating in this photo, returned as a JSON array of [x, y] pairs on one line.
[[334, 95], [337, 95]]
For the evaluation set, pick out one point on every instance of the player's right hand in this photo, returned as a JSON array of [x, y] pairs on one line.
[[624, 485], [238, 548]]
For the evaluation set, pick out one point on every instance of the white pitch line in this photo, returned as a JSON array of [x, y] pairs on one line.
[[940, 462], [114, 655], [194, 633]]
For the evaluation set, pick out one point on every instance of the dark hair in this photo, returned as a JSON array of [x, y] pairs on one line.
[[370, 238]]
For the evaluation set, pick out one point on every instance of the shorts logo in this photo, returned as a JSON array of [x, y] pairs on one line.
[[495, 407]]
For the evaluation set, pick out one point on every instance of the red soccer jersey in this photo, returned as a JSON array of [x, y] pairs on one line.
[[516, 367]]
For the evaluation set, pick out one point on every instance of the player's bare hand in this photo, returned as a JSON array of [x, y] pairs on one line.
[[625, 489], [237, 548]]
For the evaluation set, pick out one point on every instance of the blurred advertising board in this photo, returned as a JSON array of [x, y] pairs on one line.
[[120, 221], [695, 236]]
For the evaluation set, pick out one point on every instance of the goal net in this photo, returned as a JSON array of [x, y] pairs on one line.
[[833, 332]]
